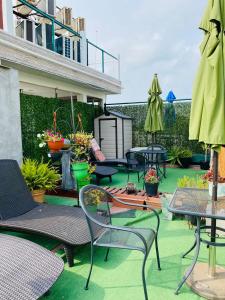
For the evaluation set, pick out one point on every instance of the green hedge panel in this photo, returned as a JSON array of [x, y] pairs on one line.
[[37, 115]]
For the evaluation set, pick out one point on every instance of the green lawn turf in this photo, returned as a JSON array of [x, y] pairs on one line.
[[120, 277], [167, 184]]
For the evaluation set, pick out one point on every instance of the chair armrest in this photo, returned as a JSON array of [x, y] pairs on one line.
[[140, 205]]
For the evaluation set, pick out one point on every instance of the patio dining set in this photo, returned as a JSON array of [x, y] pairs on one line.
[[137, 160]]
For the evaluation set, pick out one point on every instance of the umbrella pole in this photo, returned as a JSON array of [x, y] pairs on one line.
[[212, 249]]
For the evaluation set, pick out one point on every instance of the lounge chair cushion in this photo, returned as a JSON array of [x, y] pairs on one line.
[[94, 145], [15, 197], [99, 155]]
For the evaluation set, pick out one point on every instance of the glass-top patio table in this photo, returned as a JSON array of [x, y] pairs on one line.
[[197, 203], [154, 155]]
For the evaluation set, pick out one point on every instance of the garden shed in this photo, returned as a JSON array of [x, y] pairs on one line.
[[113, 132]]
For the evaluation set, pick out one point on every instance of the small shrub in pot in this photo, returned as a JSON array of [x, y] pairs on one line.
[[151, 182]]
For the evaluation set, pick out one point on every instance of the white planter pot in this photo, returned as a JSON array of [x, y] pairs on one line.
[[165, 200], [220, 189]]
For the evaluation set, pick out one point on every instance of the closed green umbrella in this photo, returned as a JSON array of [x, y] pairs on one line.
[[207, 121], [153, 122]]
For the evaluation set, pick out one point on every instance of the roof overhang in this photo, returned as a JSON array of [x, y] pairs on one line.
[[25, 56]]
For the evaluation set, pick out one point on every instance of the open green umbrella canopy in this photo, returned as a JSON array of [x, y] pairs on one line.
[[207, 122], [153, 122]]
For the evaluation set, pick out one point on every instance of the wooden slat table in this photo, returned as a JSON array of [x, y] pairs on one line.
[[140, 197]]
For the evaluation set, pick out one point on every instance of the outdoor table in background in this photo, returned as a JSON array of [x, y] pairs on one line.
[[197, 203], [152, 155]]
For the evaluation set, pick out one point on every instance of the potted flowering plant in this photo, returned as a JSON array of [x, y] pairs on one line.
[[81, 169], [54, 140], [221, 183], [151, 182]]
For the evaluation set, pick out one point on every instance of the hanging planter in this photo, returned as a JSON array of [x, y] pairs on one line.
[[53, 139], [55, 146]]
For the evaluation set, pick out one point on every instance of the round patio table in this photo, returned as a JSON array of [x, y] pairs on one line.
[[152, 155], [197, 203]]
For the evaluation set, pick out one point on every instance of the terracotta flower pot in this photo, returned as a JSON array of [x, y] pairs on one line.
[[38, 195], [55, 146]]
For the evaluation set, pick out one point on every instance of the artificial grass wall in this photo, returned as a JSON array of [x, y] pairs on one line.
[[176, 125], [37, 115]]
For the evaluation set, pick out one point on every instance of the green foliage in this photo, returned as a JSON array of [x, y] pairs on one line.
[[39, 176], [177, 153], [174, 133], [37, 116], [192, 182]]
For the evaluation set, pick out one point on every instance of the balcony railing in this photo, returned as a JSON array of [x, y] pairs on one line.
[[71, 44]]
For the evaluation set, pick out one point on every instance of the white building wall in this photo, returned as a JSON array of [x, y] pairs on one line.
[[10, 121], [8, 20]]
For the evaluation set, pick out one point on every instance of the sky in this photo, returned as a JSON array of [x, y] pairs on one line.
[[151, 37]]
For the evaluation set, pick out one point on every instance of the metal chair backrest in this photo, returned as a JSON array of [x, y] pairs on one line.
[[135, 159], [15, 197], [96, 204]]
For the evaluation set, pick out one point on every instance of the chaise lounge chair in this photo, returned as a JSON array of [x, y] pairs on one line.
[[27, 270], [20, 213], [98, 158]]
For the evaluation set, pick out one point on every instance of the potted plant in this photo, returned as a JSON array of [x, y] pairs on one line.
[[39, 178], [185, 158], [81, 169], [53, 139], [180, 156], [208, 177], [151, 182]]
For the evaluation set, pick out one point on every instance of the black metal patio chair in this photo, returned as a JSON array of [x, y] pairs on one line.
[[20, 213], [136, 163], [157, 160], [96, 203], [108, 162], [27, 270]]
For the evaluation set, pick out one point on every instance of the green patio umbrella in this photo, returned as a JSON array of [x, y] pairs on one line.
[[207, 121], [153, 122]]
